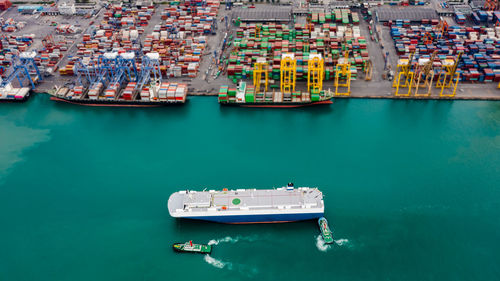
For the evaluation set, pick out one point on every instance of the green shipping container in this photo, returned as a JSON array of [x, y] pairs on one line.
[[249, 98]]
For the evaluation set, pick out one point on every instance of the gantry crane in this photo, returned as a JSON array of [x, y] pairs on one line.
[[315, 73], [424, 75], [108, 64], [128, 64], [24, 69], [110, 68], [260, 67], [86, 74], [441, 29], [404, 76], [368, 69], [343, 75], [48, 41], [427, 39], [125, 71], [491, 5], [309, 24], [288, 73], [150, 74], [448, 76], [257, 30]]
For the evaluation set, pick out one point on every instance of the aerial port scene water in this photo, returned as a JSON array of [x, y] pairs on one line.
[[249, 140]]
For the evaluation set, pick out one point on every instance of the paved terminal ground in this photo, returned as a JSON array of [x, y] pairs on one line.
[[207, 83]]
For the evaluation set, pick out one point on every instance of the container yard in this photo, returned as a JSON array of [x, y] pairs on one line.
[[298, 53]]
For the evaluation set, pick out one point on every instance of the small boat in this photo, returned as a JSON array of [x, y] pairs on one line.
[[189, 247], [325, 230]]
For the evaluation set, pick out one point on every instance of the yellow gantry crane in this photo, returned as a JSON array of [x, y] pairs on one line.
[[315, 73], [368, 69], [260, 68], [343, 75], [288, 73], [448, 76], [404, 76], [424, 75]]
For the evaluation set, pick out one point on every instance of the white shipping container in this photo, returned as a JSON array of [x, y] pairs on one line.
[[134, 34]]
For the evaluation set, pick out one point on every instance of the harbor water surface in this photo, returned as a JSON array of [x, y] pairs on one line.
[[411, 190]]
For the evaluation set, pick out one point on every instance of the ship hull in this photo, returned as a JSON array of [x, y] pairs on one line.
[[117, 103], [14, 100], [278, 105], [267, 218]]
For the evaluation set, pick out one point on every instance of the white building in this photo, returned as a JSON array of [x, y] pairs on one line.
[[66, 9]]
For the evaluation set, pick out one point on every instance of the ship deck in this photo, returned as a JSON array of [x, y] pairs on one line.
[[245, 200]]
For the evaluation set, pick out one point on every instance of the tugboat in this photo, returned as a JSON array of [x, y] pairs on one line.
[[189, 247], [325, 230]]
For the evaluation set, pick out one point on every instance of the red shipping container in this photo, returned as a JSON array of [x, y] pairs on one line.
[[5, 4]]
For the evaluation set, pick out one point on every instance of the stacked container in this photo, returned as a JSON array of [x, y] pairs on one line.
[[223, 94], [112, 90], [95, 91], [326, 37], [128, 92], [145, 95], [162, 92], [479, 45], [78, 91]]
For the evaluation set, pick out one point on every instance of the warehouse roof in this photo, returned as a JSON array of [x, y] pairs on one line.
[[406, 13], [278, 14]]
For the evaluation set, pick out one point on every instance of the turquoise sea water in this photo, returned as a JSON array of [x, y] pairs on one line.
[[412, 190]]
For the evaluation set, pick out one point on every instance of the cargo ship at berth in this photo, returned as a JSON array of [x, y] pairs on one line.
[[9, 94], [177, 97], [115, 79], [285, 204], [245, 96]]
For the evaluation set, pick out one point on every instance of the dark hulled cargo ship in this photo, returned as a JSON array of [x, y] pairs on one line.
[[166, 94]]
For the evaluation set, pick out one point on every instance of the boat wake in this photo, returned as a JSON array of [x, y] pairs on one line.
[[244, 269], [321, 245], [343, 242], [229, 239], [217, 263], [241, 268]]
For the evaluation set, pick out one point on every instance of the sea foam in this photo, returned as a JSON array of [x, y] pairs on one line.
[[321, 245], [229, 239], [217, 263]]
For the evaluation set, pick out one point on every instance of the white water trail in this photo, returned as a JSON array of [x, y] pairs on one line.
[[226, 239], [343, 242], [321, 245], [229, 239], [244, 269], [217, 263]]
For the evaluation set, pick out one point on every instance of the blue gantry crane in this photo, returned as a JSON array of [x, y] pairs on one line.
[[113, 69], [86, 74], [108, 65], [150, 71], [129, 66], [24, 69]]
